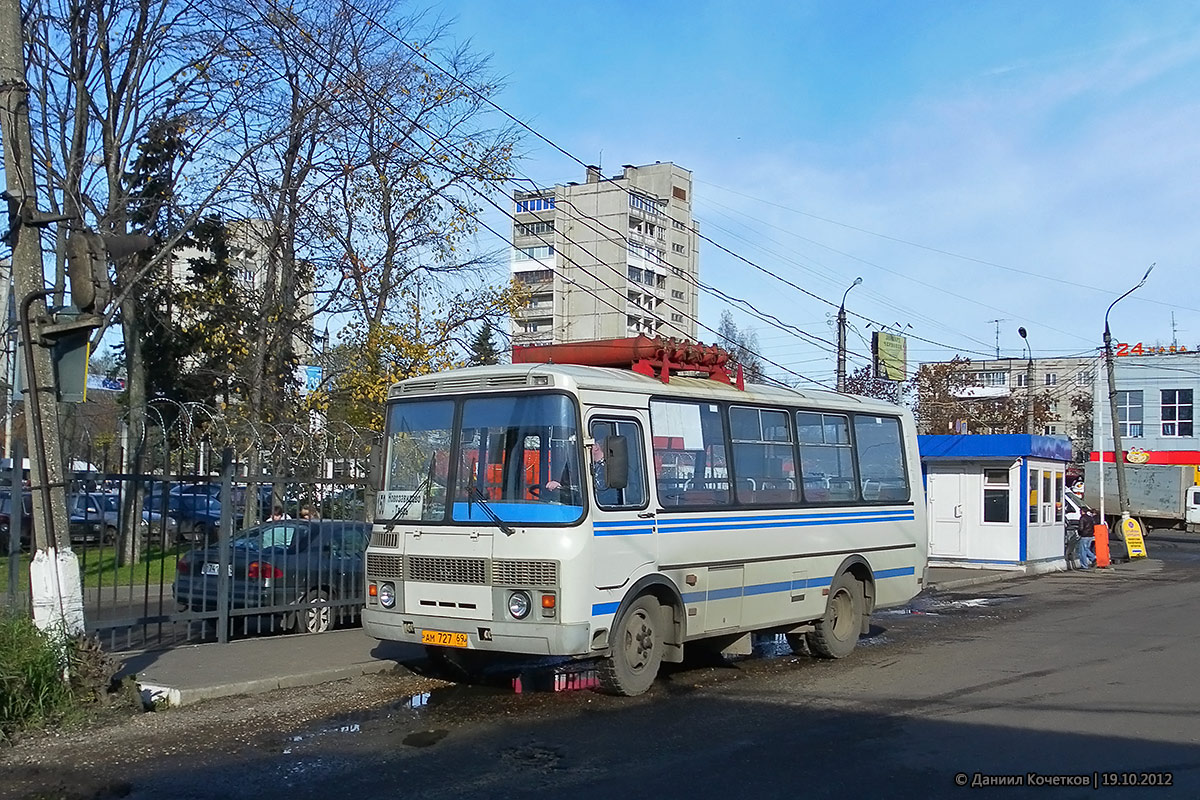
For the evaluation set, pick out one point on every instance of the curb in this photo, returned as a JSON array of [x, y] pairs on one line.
[[976, 581], [1137, 565], [156, 693]]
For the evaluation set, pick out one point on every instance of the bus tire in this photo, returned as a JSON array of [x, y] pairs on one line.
[[837, 632], [637, 649]]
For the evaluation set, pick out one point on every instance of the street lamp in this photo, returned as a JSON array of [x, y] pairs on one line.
[[1118, 458], [1028, 381], [841, 342]]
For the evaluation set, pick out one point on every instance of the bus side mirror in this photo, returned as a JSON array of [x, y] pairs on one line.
[[616, 461]]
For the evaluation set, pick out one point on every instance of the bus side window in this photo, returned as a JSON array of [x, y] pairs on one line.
[[633, 495]]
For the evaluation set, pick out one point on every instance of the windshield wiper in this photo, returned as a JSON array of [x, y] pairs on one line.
[[422, 490], [473, 493], [492, 515], [407, 504]]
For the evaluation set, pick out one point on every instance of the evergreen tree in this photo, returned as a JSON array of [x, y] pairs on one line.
[[483, 347]]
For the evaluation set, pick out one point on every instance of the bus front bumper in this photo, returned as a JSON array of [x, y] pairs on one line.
[[529, 637]]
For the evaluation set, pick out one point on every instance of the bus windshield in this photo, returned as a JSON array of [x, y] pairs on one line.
[[517, 457]]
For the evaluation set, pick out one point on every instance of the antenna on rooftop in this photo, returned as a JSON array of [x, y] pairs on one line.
[[997, 323]]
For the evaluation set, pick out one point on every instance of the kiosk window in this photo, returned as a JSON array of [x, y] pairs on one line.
[[995, 495]]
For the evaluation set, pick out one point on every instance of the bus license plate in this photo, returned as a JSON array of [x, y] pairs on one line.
[[444, 639]]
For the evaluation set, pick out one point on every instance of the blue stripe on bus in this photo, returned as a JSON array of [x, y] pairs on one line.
[[771, 524], [622, 529], [802, 519], [769, 588], [895, 573], [903, 513], [697, 525], [899, 513], [689, 598]]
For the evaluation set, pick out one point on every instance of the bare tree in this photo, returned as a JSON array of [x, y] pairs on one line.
[[945, 403], [368, 197], [743, 345], [104, 72], [863, 383]]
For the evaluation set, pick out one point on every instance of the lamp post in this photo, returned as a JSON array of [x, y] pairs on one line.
[[841, 342], [1118, 457], [1028, 381]]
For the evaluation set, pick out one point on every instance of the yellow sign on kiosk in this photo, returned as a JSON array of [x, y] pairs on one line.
[[1131, 532]]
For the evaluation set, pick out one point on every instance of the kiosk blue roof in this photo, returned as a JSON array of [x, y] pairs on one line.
[[994, 445]]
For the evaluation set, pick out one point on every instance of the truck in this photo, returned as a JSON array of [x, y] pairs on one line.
[[1160, 495]]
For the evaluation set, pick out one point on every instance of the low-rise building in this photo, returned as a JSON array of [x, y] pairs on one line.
[[1067, 383], [1156, 394]]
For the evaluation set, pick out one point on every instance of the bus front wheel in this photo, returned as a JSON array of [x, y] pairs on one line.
[[637, 649], [837, 632]]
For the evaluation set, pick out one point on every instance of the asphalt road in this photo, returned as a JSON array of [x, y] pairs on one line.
[[1071, 677]]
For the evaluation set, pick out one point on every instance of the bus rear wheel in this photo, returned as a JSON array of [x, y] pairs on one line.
[[836, 633], [637, 649]]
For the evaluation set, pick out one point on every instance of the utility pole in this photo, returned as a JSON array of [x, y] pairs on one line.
[[841, 342], [1028, 381], [53, 603], [1118, 451]]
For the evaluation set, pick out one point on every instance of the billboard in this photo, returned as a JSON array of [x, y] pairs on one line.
[[309, 377], [889, 354]]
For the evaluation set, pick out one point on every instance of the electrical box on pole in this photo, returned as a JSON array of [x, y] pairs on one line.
[[70, 336]]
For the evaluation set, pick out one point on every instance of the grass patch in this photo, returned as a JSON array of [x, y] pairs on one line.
[[98, 567], [33, 690], [22, 573]]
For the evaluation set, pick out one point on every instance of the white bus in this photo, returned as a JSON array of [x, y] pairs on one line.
[[717, 512]]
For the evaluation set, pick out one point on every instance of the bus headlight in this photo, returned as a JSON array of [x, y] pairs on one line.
[[387, 595], [519, 604]]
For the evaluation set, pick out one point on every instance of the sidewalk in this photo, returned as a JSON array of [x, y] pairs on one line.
[[192, 673], [189, 674]]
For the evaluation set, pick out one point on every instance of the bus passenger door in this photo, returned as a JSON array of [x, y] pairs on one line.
[[623, 522]]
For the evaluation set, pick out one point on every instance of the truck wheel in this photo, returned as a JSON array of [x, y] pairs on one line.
[[837, 632], [636, 647]]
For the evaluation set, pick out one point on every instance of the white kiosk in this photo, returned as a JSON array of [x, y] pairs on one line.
[[996, 500]]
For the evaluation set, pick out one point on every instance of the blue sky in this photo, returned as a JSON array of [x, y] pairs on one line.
[[971, 161]]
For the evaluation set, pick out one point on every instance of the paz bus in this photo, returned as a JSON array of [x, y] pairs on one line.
[[564, 506]]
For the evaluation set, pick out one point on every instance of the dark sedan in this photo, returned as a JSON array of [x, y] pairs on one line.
[[308, 572], [6, 520]]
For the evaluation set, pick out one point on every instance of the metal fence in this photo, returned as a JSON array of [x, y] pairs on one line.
[[189, 551]]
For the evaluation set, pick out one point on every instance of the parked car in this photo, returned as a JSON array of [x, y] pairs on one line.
[[96, 517], [303, 571], [348, 503], [197, 516], [158, 525], [6, 515], [92, 517]]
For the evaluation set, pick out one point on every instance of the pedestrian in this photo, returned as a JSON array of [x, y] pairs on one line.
[[308, 512], [277, 514]]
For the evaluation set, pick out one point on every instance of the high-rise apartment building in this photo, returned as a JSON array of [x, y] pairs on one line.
[[608, 258]]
